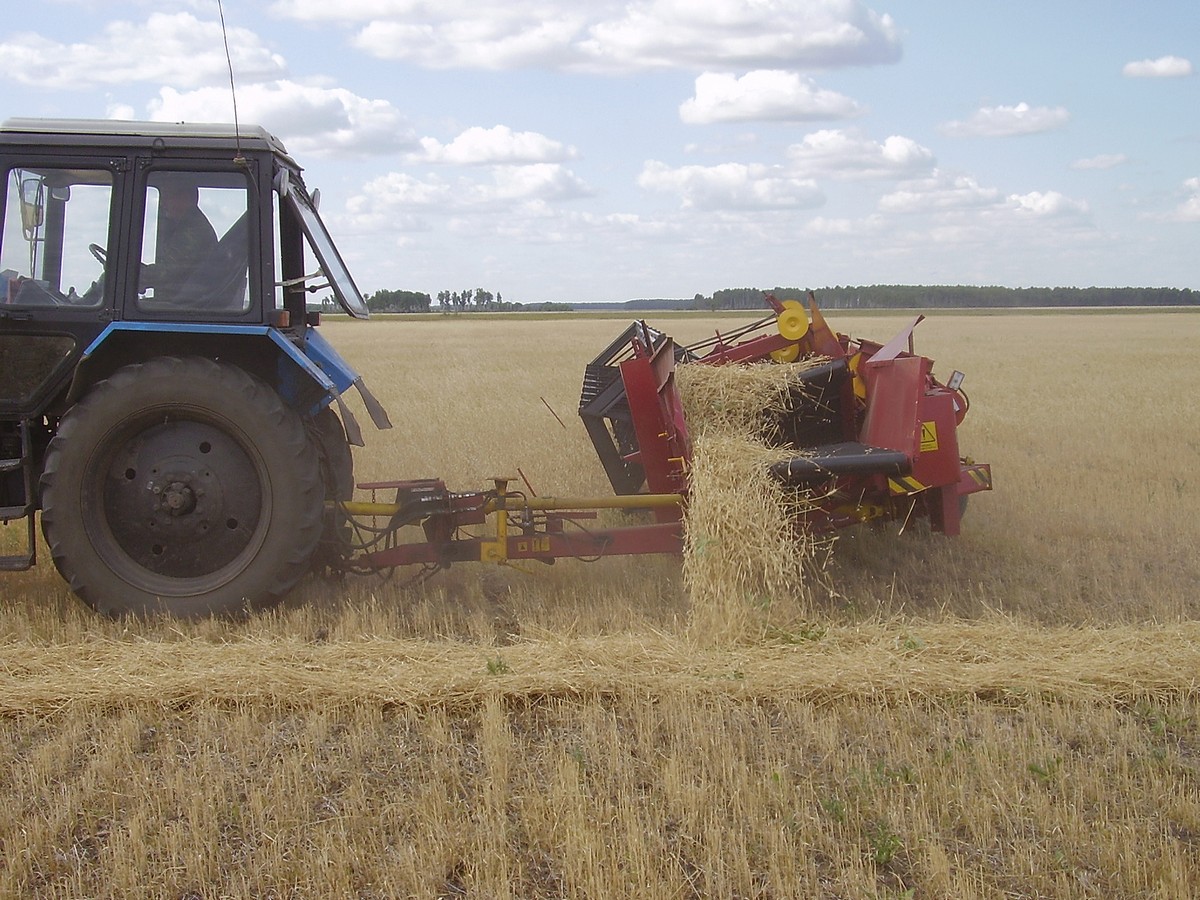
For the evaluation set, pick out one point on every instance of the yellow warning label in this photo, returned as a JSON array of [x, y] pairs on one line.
[[929, 441]]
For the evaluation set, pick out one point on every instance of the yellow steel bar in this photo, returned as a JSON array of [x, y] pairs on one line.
[[539, 504], [497, 551], [620, 501]]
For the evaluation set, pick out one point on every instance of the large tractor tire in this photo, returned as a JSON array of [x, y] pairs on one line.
[[181, 486], [328, 436]]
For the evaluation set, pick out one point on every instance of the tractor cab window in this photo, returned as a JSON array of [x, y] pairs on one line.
[[52, 245], [195, 244], [303, 208]]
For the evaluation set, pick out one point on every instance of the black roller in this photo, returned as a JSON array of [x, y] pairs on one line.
[[842, 458]]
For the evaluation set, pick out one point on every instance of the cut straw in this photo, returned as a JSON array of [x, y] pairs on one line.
[[746, 561]]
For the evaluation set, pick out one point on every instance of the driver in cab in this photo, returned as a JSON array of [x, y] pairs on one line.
[[184, 239]]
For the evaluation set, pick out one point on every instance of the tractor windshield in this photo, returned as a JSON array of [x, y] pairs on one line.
[[53, 236], [322, 245]]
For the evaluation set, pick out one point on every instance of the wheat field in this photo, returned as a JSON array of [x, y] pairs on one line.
[[1010, 713]]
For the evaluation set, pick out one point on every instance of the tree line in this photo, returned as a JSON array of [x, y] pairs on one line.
[[902, 296], [398, 301], [470, 300], [875, 296]]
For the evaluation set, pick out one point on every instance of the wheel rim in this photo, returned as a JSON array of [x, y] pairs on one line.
[[177, 502]]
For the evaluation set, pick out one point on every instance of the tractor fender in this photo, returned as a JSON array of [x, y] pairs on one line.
[[308, 378]]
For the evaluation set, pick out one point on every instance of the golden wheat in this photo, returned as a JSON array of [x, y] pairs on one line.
[[1013, 712]]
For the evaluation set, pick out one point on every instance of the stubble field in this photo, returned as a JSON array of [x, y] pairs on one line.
[[1012, 713]]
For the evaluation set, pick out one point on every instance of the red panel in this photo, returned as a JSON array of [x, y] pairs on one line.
[[900, 343], [894, 388], [753, 350], [945, 514], [654, 405], [665, 537], [820, 338], [975, 477], [937, 462]]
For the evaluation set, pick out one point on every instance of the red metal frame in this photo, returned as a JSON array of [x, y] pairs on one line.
[[632, 540], [903, 408], [664, 448]]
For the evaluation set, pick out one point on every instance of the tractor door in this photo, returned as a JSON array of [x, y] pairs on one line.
[[60, 213], [56, 289], [200, 257]]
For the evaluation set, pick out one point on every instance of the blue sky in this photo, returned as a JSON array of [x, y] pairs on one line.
[[569, 151]]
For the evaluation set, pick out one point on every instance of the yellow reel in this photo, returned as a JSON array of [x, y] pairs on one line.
[[792, 322], [787, 354]]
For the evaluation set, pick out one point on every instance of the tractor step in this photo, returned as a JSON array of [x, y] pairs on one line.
[[18, 562]]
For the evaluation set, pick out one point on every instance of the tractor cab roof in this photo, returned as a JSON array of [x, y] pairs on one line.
[[115, 132]]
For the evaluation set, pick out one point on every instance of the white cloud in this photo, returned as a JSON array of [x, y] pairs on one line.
[[731, 186], [735, 33], [1163, 67], [541, 182], [1103, 161], [508, 187], [310, 120], [401, 191], [459, 35], [116, 110], [940, 192], [824, 227], [489, 146], [1189, 209], [763, 95], [613, 35], [838, 154], [168, 48], [1050, 203], [1006, 121]]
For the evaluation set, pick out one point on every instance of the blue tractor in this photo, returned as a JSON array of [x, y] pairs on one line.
[[166, 401]]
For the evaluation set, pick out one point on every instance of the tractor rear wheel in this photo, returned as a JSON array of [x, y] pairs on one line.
[[181, 486], [328, 436]]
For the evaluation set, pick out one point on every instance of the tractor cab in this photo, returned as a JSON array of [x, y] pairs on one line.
[[158, 225]]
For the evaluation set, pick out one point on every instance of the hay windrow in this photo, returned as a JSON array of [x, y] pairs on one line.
[[868, 664], [745, 562]]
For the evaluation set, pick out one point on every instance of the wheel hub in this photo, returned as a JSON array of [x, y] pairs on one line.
[[185, 498], [178, 499], [182, 498]]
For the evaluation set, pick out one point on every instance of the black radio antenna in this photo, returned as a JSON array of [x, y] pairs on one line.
[[237, 129]]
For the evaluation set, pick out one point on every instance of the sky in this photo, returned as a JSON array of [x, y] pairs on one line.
[[601, 150]]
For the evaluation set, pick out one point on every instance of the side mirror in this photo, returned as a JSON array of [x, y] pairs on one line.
[[32, 206]]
